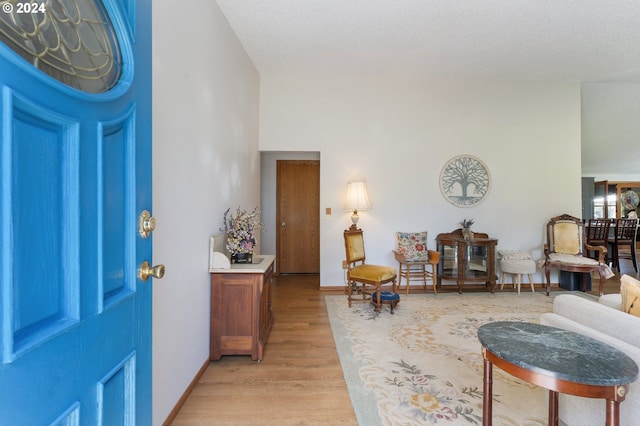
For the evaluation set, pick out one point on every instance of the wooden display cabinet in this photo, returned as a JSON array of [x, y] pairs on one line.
[[472, 260], [241, 315]]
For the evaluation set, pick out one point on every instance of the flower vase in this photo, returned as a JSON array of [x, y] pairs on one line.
[[241, 257], [467, 234]]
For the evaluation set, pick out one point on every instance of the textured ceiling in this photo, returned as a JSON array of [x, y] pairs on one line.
[[544, 40]]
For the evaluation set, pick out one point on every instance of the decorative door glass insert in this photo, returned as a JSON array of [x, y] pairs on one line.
[[72, 41]]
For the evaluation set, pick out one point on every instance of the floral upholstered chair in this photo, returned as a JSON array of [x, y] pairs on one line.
[[566, 250], [358, 271], [415, 262]]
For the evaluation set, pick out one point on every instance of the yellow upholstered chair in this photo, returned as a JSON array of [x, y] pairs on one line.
[[358, 271], [415, 261], [566, 250]]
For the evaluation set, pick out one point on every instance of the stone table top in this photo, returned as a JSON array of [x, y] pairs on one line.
[[558, 353]]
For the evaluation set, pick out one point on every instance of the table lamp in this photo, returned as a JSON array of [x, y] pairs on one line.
[[356, 199]]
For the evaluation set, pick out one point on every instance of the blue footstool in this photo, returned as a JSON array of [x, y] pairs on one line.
[[390, 298]]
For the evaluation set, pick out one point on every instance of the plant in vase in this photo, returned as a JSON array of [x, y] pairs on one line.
[[241, 229], [467, 233]]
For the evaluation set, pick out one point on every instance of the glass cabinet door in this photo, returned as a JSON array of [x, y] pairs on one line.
[[448, 265], [476, 261]]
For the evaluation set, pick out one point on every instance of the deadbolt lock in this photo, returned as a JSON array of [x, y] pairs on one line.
[[146, 224], [147, 271]]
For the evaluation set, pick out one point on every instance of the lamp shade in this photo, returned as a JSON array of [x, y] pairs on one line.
[[357, 196]]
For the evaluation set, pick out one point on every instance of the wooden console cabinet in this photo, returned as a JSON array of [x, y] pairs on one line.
[[472, 260], [241, 315]]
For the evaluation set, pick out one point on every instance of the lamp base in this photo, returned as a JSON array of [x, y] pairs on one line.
[[354, 221]]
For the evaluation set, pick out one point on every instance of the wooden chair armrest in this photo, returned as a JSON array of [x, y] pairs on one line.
[[400, 257], [602, 250], [433, 257]]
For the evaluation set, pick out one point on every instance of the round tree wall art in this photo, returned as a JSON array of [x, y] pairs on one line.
[[464, 181]]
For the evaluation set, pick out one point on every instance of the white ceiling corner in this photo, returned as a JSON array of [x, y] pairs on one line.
[[540, 40]]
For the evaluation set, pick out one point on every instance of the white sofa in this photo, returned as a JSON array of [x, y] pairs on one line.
[[605, 321]]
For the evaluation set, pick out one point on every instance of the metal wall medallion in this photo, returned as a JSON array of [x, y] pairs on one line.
[[464, 181]]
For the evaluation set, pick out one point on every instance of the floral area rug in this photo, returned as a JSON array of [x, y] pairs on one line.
[[423, 365]]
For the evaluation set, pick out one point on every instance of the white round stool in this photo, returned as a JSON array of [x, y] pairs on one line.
[[517, 264]]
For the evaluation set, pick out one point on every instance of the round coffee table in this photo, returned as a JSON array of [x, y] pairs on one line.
[[558, 360]]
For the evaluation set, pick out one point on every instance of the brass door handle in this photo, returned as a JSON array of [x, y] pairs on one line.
[[146, 224], [146, 271]]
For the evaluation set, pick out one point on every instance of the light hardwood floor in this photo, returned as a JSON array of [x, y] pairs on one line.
[[300, 380]]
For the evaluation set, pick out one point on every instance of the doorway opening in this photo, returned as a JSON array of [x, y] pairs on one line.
[[290, 203]]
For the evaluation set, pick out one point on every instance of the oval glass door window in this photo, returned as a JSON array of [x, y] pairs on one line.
[[72, 41]]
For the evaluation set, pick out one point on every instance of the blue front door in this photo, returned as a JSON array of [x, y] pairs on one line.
[[75, 315]]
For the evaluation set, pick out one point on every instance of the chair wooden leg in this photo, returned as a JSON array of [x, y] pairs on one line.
[[434, 278], [547, 273], [399, 275], [601, 283], [531, 282], [408, 277], [518, 281], [378, 299]]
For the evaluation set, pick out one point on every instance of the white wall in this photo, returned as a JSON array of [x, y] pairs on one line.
[[611, 131], [205, 159], [397, 133]]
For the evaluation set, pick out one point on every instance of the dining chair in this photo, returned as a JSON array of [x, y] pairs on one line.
[[368, 275], [624, 235], [598, 235], [415, 261]]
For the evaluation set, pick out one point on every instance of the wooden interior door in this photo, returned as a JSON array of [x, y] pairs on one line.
[[298, 216]]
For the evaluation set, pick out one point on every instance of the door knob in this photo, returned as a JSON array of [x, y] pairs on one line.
[[146, 271], [146, 224]]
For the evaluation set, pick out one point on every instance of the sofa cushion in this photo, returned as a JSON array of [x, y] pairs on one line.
[[632, 303], [597, 316], [612, 300], [630, 292]]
